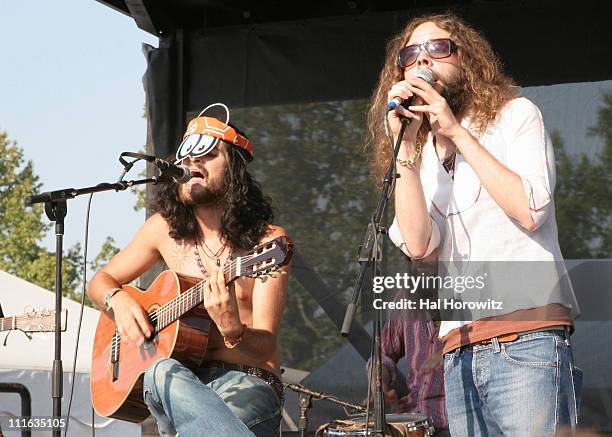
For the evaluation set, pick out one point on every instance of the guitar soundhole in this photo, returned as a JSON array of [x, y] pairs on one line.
[[152, 341], [154, 334]]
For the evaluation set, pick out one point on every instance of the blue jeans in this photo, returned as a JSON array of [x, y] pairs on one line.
[[210, 402], [527, 387]]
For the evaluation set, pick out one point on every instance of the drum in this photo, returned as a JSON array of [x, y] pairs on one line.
[[399, 425]]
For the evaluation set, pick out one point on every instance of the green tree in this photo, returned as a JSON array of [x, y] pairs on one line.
[[22, 228], [583, 198], [603, 177], [310, 160], [107, 251]]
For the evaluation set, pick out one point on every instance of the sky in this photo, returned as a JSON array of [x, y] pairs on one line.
[[71, 95]]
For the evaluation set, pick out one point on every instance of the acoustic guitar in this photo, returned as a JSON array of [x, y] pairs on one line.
[[180, 323]]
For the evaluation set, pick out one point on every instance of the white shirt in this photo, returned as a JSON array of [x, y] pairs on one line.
[[469, 228]]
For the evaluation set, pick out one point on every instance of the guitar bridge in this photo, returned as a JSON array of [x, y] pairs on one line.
[[115, 355]]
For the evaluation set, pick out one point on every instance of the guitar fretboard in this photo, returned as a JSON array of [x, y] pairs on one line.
[[188, 300], [7, 323]]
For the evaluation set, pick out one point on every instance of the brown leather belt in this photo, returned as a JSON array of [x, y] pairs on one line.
[[265, 375], [505, 338]]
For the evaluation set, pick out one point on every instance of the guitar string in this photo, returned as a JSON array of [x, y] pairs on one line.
[[164, 309], [188, 294], [180, 299]]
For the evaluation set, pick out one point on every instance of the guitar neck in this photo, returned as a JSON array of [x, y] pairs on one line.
[[177, 307], [260, 261], [7, 323], [186, 301]]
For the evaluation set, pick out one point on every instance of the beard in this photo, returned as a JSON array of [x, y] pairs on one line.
[[457, 94], [197, 195]]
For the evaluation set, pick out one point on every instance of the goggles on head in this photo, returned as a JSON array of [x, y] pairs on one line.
[[204, 133]]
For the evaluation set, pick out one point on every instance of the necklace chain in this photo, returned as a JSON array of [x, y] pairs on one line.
[[215, 256], [449, 163]]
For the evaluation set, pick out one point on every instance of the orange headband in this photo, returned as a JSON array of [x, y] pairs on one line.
[[196, 143]]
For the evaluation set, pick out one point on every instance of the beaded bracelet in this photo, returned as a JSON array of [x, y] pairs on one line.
[[232, 343]]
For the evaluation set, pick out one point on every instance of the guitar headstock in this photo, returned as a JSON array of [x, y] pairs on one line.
[[42, 320], [266, 258]]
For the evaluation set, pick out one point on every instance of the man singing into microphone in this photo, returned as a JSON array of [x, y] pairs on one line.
[[476, 181], [220, 213]]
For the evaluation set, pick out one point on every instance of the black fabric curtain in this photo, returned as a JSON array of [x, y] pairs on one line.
[[160, 84], [540, 43]]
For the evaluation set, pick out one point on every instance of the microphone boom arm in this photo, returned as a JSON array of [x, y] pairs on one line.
[[71, 193]]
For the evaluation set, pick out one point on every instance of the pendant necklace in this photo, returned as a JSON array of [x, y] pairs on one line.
[[202, 249], [449, 164]]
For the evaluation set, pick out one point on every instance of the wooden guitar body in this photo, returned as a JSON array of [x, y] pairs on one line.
[[118, 392]]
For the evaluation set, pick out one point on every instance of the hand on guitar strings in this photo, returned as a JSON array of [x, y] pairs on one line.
[[130, 319], [220, 302]]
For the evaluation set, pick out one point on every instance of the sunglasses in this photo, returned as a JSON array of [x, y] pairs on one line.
[[438, 48]]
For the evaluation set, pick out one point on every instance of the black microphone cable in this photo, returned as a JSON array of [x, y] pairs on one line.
[[76, 348], [127, 166]]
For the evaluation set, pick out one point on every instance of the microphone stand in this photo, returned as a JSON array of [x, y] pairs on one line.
[[56, 209], [369, 258]]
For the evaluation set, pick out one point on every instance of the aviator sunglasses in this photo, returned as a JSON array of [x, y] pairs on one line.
[[438, 48]]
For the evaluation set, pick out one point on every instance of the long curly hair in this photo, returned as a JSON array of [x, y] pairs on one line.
[[488, 87], [245, 211]]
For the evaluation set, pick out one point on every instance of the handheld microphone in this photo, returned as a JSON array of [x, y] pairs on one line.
[[422, 73]]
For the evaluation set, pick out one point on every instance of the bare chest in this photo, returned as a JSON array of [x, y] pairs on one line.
[[182, 257]]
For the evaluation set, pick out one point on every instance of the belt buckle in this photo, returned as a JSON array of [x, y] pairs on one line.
[[506, 338]]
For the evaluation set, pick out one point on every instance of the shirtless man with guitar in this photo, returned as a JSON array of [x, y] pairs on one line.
[[199, 347]]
